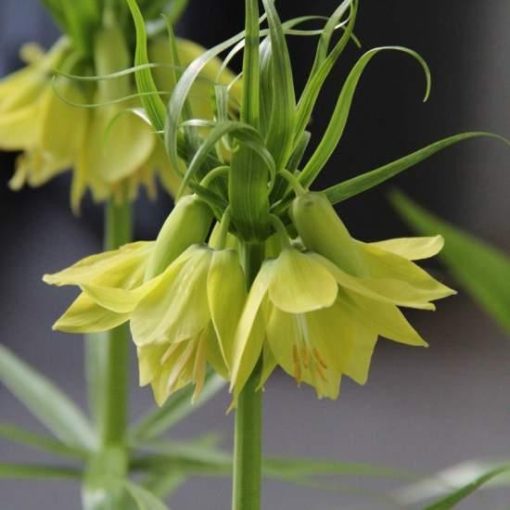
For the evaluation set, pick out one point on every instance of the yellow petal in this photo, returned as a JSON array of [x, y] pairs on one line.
[[226, 292], [412, 248], [149, 362], [118, 145], [301, 284], [387, 290], [108, 268], [386, 319], [176, 308], [19, 129], [249, 335], [295, 349], [85, 316]]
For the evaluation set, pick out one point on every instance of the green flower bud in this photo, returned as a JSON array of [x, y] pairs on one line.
[[189, 223], [323, 232]]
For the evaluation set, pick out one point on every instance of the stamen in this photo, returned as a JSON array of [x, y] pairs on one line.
[[318, 357]]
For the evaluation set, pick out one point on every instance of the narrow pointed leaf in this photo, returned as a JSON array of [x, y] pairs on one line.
[[143, 498], [366, 181], [459, 495], [15, 434], [36, 472], [146, 85], [45, 401], [336, 127], [481, 269]]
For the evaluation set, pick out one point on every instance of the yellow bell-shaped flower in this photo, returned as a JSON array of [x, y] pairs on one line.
[[183, 300], [321, 318], [112, 151]]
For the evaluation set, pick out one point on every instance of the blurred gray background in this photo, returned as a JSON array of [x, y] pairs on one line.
[[421, 410]]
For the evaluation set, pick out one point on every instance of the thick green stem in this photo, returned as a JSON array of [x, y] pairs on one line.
[[248, 422], [113, 412]]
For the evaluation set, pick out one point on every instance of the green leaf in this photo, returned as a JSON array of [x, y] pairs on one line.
[[481, 269], [45, 401], [39, 472], [243, 132], [459, 495], [324, 63], [146, 85], [352, 187], [303, 469], [335, 129], [176, 409], [143, 498], [281, 125], [15, 434]]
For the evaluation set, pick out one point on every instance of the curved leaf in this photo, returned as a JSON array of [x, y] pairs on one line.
[[37, 472], [352, 187], [45, 401], [338, 121]]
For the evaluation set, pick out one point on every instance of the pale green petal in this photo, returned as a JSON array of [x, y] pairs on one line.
[[117, 145], [226, 292], [386, 319], [249, 337], [412, 248], [269, 363], [213, 352], [388, 290], [383, 264], [107, 268], [176, 309], [19, 129], [295, 349], [63, 126], [119, 300], [85, 316], [301, 284], [149, 362], [344, 343]]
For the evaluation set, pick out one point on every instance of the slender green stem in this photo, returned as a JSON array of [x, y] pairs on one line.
[[114, 404], [247, 474]]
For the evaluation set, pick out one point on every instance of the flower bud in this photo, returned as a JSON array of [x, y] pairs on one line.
[[323, 232], [188, 223]]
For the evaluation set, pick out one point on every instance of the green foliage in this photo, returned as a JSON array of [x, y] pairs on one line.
[[454, 498], [482, 270], [46, 402]]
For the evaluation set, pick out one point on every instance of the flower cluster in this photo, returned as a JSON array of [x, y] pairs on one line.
[[62, 122], [316, 306]]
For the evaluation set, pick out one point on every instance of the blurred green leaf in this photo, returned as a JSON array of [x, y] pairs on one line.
[[40, 472], [45, 401], [481, 269], [352, 187], [459, 495], [338, 121], [146, 85], [15, 434], [143, 498], [176, 409]]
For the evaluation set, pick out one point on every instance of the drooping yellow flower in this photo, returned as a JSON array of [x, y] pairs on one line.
[[182, 300], [323, 314], [112, 151]]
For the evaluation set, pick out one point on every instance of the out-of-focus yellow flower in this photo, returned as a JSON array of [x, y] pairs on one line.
[[322, 318], [182, 315], [111, 151]]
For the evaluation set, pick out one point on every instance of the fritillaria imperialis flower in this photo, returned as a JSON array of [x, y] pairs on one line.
[[181, 300], [316, 308], [326, 301], [111, 150]]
